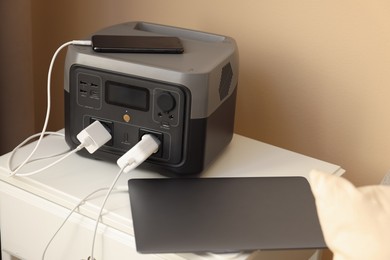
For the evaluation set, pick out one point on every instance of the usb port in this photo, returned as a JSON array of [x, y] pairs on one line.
[[83, 92], [83, 83], [94, 94]]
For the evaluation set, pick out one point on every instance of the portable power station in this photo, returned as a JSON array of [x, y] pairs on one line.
[[186, 100]]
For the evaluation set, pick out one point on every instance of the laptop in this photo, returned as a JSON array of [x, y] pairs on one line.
[[222, 215]]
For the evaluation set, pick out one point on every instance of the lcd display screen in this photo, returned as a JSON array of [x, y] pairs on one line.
[[127, 96]]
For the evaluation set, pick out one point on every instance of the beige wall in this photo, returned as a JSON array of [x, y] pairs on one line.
[[314, 75], [16, 94]]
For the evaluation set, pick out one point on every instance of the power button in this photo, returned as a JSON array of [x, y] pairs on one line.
[[166, 102]]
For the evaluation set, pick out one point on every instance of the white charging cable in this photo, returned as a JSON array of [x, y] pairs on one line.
[[10, 167], [43, 132], [81, 202], [147, 146], [91, 138]]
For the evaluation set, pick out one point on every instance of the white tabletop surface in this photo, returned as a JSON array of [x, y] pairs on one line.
[[69, 181]]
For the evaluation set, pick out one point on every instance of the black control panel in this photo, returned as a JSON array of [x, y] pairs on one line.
[[129, 107]]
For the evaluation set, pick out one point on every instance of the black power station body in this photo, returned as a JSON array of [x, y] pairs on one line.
[[187, 100]]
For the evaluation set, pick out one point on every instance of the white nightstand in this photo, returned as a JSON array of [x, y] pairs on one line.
[[32, 208]]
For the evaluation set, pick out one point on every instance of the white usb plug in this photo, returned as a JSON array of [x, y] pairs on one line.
[[93, 137], [147, 146]]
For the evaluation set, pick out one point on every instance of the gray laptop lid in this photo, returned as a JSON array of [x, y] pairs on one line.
[[223, 214]]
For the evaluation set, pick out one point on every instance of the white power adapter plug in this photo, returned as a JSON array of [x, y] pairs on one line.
[[148, 145], [93, 136]]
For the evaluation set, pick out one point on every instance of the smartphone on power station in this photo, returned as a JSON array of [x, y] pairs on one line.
[[137, 44]]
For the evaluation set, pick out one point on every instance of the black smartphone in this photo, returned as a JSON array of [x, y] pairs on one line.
[[137, 44]]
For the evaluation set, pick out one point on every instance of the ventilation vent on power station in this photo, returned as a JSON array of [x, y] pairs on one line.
[[226, 80]]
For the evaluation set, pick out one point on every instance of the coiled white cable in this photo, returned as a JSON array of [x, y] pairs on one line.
[[9, 165], [92, 138]]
